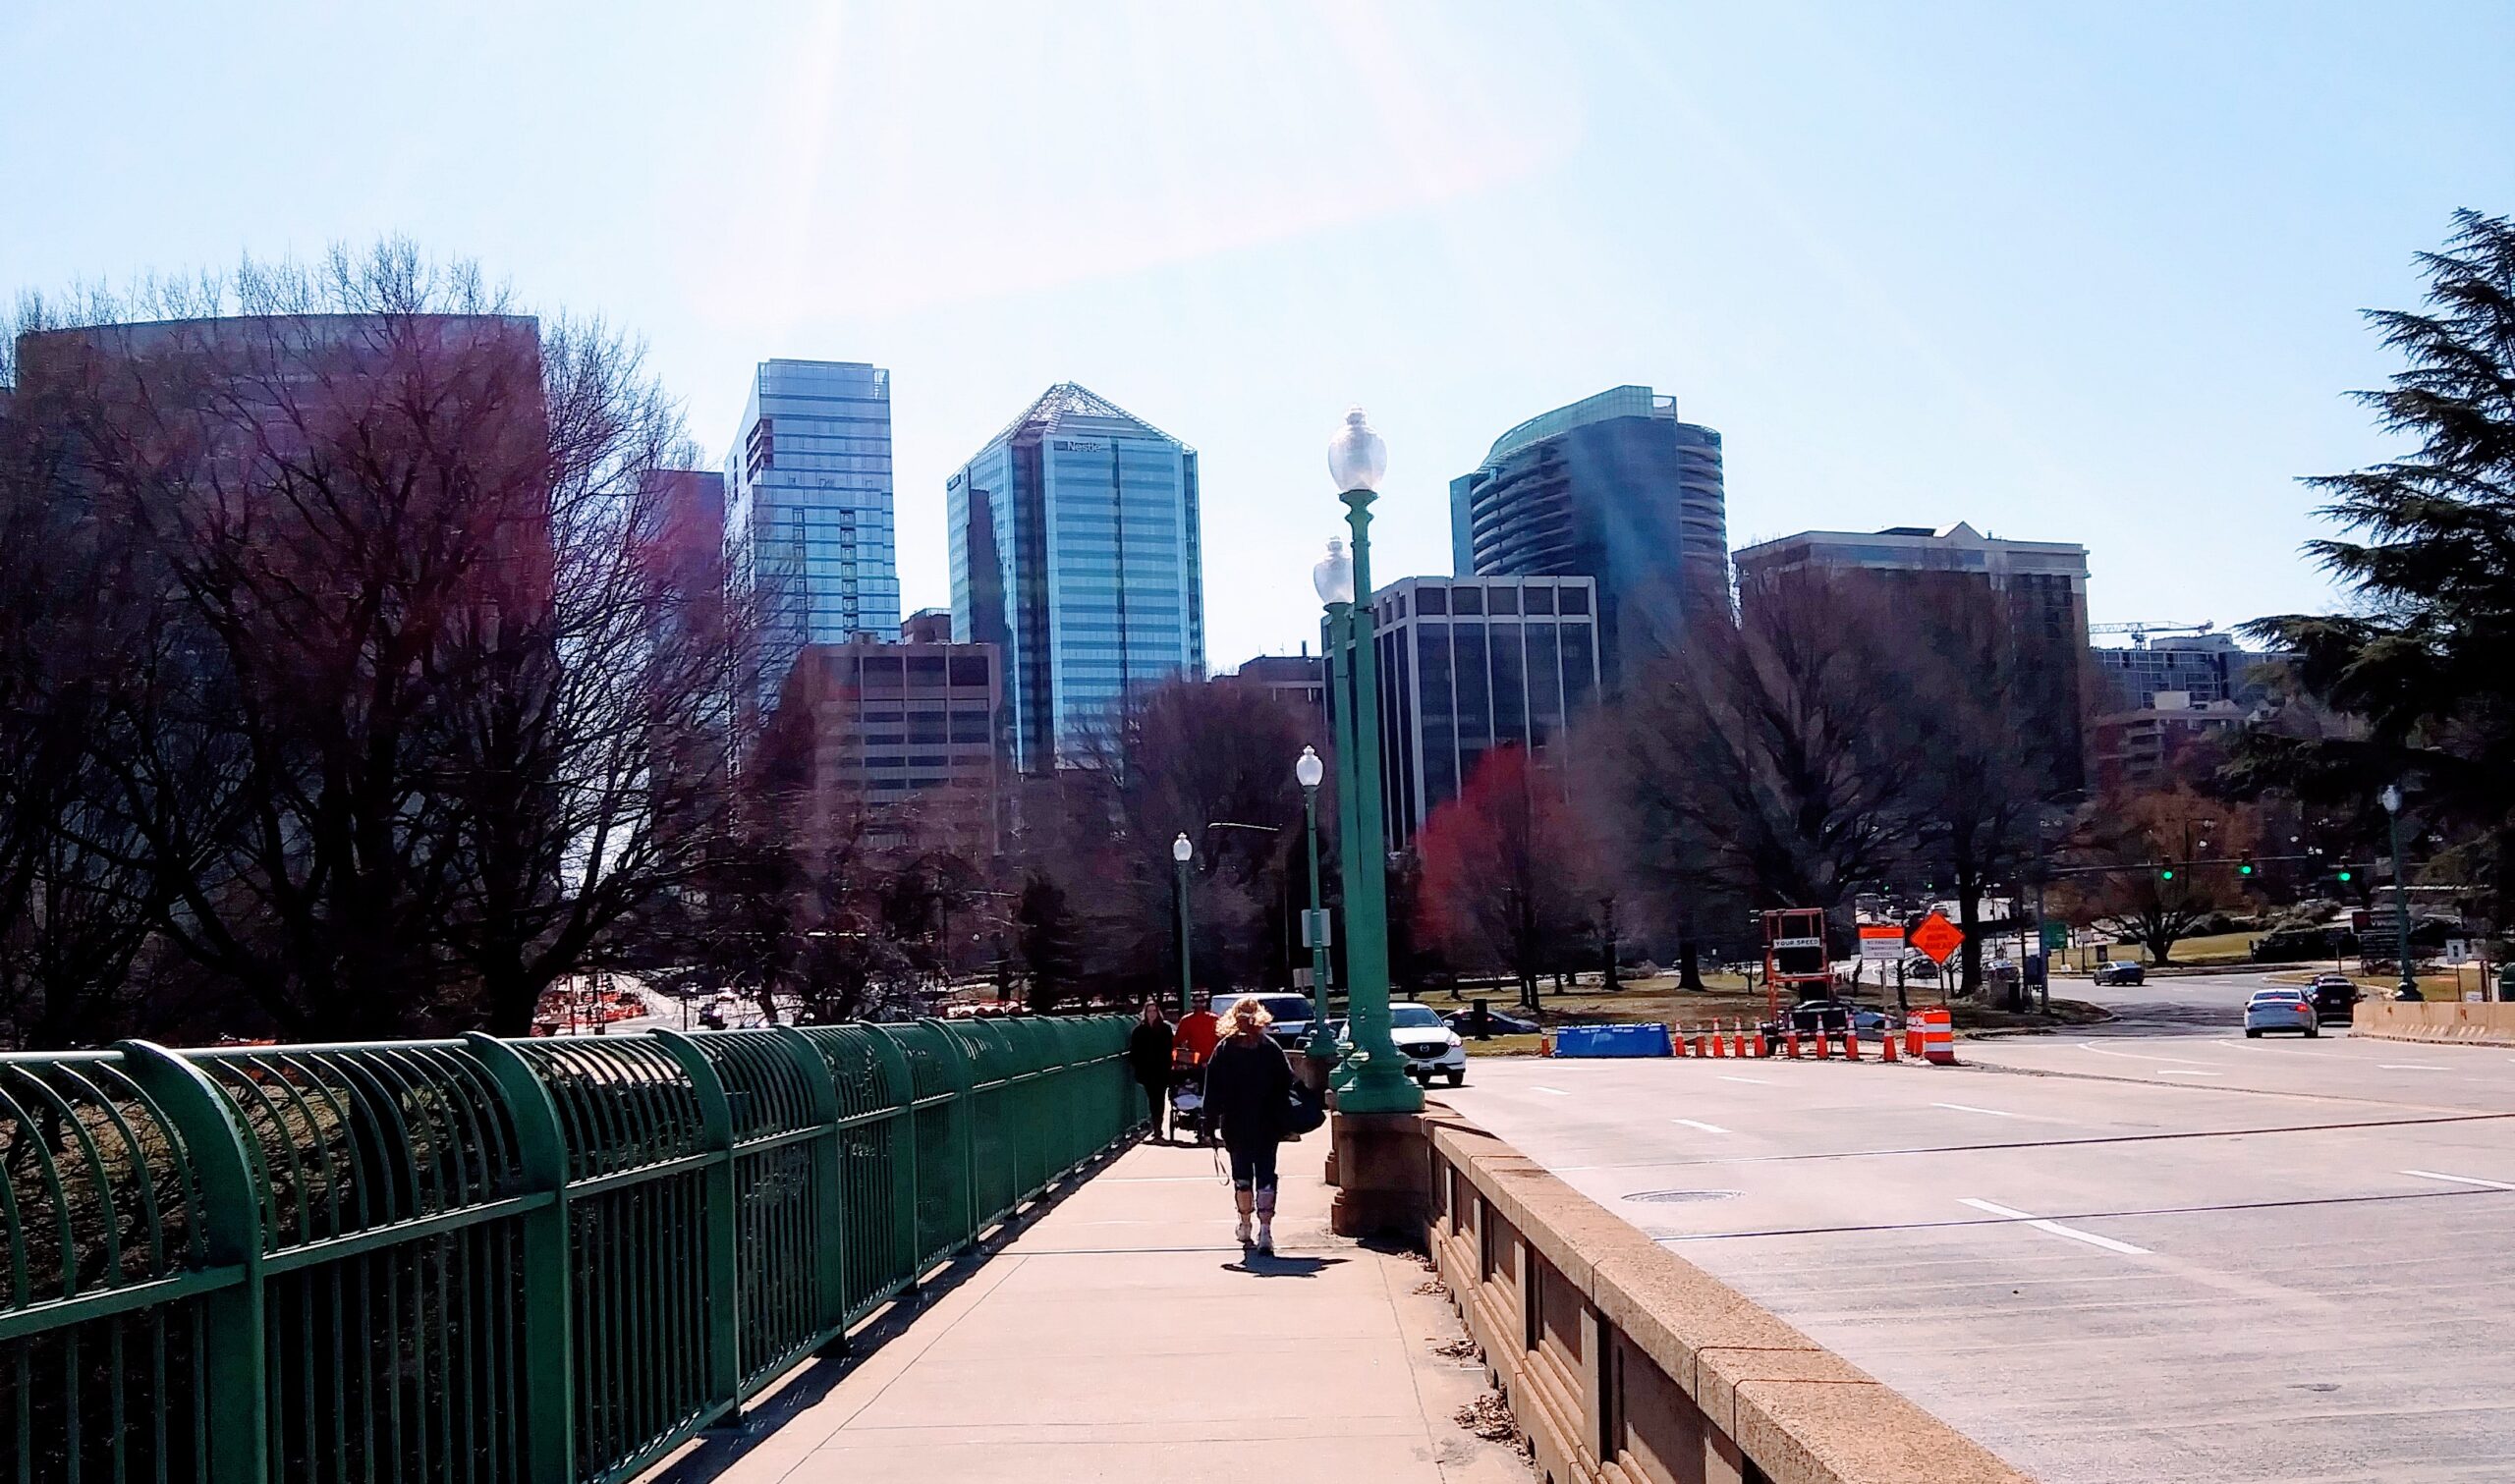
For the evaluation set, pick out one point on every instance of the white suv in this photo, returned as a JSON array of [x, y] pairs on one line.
[[1432, 1048]]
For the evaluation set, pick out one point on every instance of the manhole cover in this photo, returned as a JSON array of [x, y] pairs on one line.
[[1679, 1197]]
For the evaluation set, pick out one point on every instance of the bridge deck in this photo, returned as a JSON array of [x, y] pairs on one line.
[[1122, 1336]]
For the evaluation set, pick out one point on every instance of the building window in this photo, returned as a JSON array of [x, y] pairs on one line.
[[1576, 600], [1467, 600], [1537, 599], [1429, 600]]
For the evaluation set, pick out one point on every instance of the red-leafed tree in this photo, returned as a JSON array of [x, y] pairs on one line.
[[1507, 871]]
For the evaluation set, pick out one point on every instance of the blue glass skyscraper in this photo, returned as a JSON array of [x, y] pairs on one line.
[[807, 507], [1075, 551], [1614, 487]]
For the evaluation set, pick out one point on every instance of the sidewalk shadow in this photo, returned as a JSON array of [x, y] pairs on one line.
[[720, 1448], [1257, 1265]]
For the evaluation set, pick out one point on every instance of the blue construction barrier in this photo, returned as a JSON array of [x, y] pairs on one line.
[[1612, 1041]]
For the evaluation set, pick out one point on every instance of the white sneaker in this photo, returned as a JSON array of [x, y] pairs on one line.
[[1265, 1241], [1243, 1233]]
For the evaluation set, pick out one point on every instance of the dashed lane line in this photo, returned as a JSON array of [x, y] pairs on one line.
[[2057, 1229]]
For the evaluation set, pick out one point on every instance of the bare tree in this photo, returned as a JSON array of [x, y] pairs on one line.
[[1768, 751], [1508, 871], [463, 727], [2122, 854]]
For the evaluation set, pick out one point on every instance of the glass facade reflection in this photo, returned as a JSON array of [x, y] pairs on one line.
[[807, 507], [1613, 487], [1076, 550], [1470, 664]]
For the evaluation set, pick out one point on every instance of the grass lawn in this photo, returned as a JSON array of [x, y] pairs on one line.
[[1726, 1001], [2212, 949]]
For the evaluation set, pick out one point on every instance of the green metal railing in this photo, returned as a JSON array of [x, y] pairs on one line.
[[484, 1260]]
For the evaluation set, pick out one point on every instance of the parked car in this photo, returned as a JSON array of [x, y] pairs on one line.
[[2121, 971], [1496, 1023], [1291, 1026], [1432, 1048], [2335, 996], [2280, 1010]]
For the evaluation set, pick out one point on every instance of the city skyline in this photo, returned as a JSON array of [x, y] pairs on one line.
[[1962, 277]]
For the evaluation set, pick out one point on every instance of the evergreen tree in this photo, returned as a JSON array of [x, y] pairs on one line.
[[2426, 656]]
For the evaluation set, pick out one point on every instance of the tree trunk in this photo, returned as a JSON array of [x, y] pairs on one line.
[[1689, 962]]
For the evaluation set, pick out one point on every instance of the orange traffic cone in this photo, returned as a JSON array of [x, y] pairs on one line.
[[1825, 1047], [1790, 1042], [1886, 1045], [1851, 1044]]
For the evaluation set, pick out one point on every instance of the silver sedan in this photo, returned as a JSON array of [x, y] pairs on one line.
[[2280, 1010]]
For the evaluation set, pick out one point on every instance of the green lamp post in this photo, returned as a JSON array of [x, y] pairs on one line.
[[2390, 798], [1180, 852], [1309, 772], [1356, 460]]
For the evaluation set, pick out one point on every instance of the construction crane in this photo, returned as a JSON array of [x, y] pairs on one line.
[[2140, 631]]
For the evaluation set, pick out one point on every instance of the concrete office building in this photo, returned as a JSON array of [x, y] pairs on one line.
[[1617, 489], [909, 733], [1300, 679], [1470, 664], [1076, 550], [2039, 586], [807, 507]]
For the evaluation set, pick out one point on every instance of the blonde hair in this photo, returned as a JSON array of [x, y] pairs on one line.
[[1246, 1016]]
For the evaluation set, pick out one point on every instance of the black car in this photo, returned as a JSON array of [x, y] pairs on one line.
[[2121, 971], [1811, 1017], [2335, 997], [1496, 1023]]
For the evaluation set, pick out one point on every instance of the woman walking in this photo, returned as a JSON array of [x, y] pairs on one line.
[[1148, 1057], [1248, 1083]]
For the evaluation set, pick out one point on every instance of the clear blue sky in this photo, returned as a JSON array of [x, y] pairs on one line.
[[2078, 275]]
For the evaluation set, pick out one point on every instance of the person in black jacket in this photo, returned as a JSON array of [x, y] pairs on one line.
[[1148, 1057], [1248, 1083]]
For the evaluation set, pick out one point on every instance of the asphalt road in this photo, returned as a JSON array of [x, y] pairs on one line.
[[2156, 1252]]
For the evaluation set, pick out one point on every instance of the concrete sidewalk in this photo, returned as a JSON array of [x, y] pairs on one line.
[[1122, 1336]]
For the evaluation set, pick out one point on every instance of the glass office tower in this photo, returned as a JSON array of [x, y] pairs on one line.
[[1613, 487], [1075, 551], [807, 507], [1471, 664]]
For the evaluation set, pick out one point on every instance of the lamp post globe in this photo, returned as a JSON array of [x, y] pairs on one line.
[[1333, 574], [1181, 851], [1356, 456], [1308, 770]]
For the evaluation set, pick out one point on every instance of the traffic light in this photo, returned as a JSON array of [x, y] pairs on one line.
[[2166, 872], [2243, 867], [2346, 875]]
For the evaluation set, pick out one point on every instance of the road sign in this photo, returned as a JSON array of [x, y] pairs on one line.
[[1938, 937], [1881, 940], [2057, 936]]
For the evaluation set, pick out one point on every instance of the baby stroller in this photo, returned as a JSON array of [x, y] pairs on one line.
[[1188, 1104]]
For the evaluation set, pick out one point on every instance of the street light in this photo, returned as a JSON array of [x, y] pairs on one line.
[[1182, 853], [1356, 460], [1310, 773], [2390, 798]]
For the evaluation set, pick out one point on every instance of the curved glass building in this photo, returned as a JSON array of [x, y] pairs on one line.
[[1613, 487]]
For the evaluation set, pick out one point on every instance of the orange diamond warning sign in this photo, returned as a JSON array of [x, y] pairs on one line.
[[1938, 937]]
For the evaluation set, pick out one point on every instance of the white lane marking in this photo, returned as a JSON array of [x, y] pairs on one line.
[[2130, 1055], [1694, 1123], [1759, 1081], [2409, 1066], [1970, 1107], [2057, 1229], [2461, 1179], [2177, 1072], [1557, 1091]]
